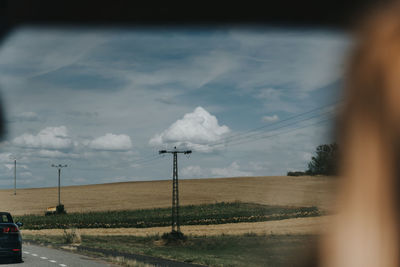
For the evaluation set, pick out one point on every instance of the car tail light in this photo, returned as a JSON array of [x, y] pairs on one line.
[[10, 229], [16, 249]]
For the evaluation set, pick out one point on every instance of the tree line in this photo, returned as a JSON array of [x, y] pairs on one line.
[[324, 161]]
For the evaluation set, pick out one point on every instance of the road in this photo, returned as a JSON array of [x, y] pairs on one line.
[[35, 256]]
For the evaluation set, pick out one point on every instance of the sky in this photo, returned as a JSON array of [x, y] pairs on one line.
[[247, 101]]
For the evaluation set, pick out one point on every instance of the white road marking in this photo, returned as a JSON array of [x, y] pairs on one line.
[[44, 258]]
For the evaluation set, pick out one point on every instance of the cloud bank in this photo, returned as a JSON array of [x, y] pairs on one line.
[[49, 138]]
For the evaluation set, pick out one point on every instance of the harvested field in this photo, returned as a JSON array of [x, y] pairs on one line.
[[311, 225], [302, 191]]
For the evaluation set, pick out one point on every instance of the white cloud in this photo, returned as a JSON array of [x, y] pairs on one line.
[[55, 154], [270, 118], [48, 138], [192, 172], [5, 157], [269, 93], [47, 49], [232, 170], [9, 166], [192, 72], [275, 100], [26, 174], [302, 62], [196, 130], [111, 142], [259, 166], [25, 117]]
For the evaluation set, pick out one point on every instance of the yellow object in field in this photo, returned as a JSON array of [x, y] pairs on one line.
[[51, 210]]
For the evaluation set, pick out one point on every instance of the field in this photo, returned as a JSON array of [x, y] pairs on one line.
[[303, 191], [254, 241]]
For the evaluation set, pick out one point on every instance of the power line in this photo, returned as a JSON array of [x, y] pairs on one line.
[[145, 161], [284, 120], [255, 134], [284, 132]]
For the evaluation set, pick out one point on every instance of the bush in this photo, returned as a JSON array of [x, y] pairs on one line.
[[72, 236], [325, 161], [60, 209], [296, 173], [49, 213], [173, 237]]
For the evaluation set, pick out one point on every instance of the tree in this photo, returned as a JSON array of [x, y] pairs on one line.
[[325, 160]]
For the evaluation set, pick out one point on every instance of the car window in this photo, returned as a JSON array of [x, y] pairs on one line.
[[97, 120], [5, 218]]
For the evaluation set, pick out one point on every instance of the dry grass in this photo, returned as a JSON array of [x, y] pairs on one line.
[[129, 262], [310, 225], [72, 236], [272, 190]]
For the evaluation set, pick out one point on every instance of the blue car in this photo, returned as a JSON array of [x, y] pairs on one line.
[[10, 238]]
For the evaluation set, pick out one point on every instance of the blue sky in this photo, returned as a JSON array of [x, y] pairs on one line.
[[104, 101]]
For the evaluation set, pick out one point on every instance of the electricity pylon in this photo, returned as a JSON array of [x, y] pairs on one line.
[[59, 167], [175, 189]]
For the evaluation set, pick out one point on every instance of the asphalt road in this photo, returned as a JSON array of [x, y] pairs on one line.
[[42, 257]]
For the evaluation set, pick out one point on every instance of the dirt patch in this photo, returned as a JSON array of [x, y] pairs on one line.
[[310, 225]]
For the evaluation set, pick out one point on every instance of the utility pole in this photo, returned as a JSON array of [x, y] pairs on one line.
[[15, 174], [176, 230], [59, 167]]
